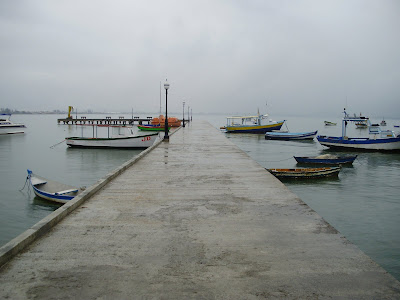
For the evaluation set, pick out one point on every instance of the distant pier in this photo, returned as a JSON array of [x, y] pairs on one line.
[[192, 218], [105, 121]]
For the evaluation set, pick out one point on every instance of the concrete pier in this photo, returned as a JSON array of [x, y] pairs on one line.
[[195, 218]]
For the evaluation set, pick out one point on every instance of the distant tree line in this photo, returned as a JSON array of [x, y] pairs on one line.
[[14, 111]]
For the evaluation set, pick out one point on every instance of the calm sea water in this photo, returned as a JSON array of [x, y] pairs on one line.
[[362, 203]]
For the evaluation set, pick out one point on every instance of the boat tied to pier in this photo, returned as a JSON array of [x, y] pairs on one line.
[[326, 159], [305, 173], [52, 190]]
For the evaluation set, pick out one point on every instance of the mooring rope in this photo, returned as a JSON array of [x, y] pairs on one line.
[[279, 160], [57, 144]]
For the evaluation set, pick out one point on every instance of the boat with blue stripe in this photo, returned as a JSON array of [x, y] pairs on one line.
[[378, 140], [52, 190], [290, 135]]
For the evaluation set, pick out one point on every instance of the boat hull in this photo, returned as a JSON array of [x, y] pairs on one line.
[[152, 128], [387, 144], [51, 190], [129, 142], [12, 130], [254, 128], [305, 173], [326, 161], [290, 135]]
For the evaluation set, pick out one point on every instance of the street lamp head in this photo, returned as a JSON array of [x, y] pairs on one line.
[[166, 85]]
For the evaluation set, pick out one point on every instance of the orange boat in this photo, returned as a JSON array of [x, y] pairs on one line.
[[172, 121]]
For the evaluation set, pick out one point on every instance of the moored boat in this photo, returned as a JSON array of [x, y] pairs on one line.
[[325, 159], [251, 124], [8, 127], [124, 142], [290, 135], [151, 127], [299, 173], [52, 190], [327, 123], [378, 140]]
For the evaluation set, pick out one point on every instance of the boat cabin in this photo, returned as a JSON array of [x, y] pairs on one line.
[[247, 120]]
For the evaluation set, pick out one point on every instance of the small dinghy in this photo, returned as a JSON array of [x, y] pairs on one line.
[[276, 135], [326, 159], [299, 173], [51, 190]]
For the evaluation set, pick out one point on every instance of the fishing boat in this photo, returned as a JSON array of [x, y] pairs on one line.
[[151, 127], [251, 124], [124, 142], [326, 159], [8, 127], [276, 135], [383, 122], [327, 123], [378, 140], [52, 190], [300, 173]]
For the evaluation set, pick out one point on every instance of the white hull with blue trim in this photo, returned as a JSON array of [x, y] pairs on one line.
[[51, 190], [291, 135], [378, 140]]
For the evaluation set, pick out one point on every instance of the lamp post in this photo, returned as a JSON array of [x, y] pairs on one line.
[[166, 87], [191, 115], [183, 114]]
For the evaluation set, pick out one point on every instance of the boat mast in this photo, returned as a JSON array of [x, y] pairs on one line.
[[160, 98]]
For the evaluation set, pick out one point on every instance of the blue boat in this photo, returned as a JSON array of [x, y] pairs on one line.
[[326, 159], [51, 190], [378, 140], [290, 135]]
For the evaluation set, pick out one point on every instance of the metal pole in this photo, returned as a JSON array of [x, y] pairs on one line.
[[188, 111], [166, 137], [183, 114]]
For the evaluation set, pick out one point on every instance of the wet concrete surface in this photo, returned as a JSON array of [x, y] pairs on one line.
[[195, 218]]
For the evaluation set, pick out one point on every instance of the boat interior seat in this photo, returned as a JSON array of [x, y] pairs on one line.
[[67, 192]]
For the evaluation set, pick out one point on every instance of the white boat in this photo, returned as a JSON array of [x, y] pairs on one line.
[[52, 190], [378, 140], [8, 127], [383, 122], [251, 124], [125, 142]]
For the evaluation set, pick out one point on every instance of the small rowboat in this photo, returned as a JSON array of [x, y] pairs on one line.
[[305, 172], [276, 135], [152, 127], [327, 123], [51, 190], [326, 159]]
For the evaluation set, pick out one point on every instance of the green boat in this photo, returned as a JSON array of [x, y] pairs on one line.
[[152, 128]]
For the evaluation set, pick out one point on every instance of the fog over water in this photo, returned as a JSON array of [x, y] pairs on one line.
[[301, 57]]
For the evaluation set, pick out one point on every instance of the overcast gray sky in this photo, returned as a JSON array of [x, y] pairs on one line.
[[219, 56]]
